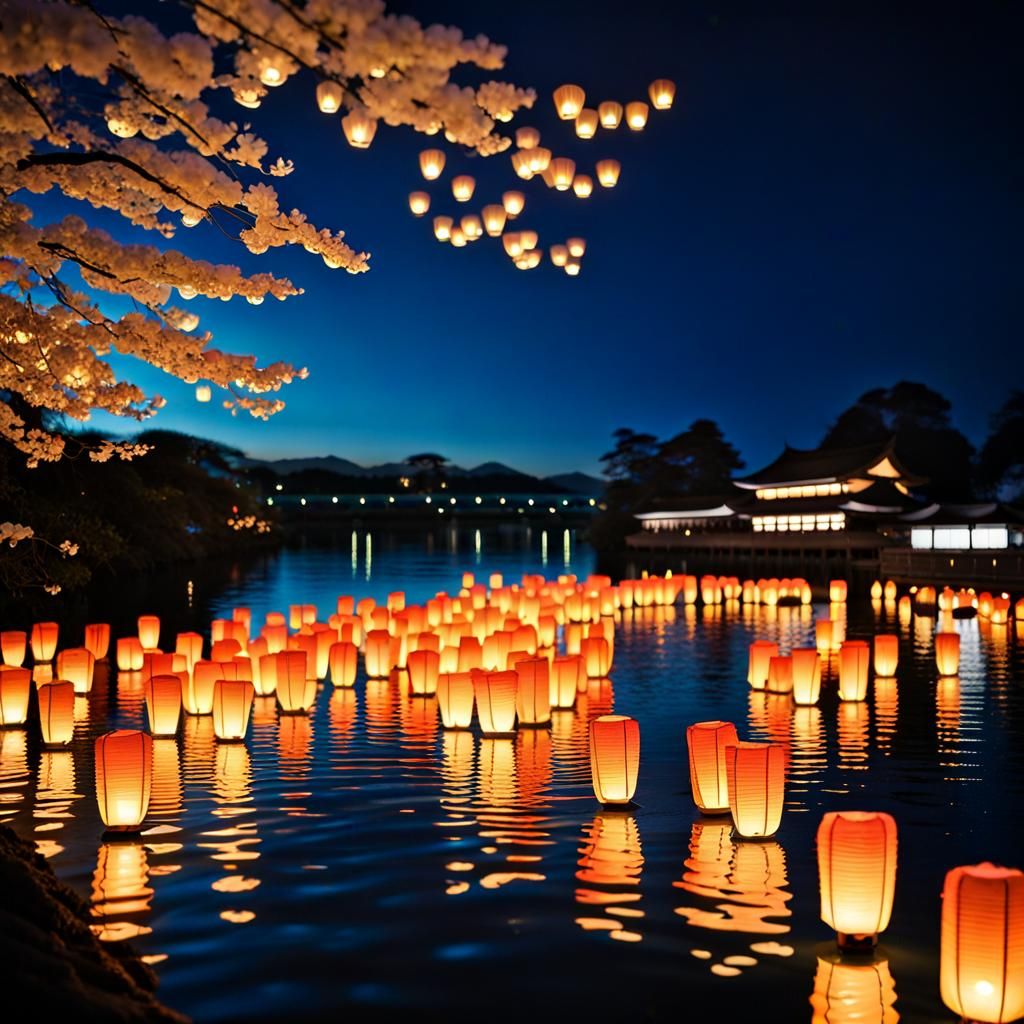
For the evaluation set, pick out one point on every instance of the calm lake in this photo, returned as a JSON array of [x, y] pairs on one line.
[[362, 859]]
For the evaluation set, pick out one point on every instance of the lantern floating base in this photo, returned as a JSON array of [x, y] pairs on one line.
[[856, 943], [306, 711], [532, 725], [499, 735], [125, 834]]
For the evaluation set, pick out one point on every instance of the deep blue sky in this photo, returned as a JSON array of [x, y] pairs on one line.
[[828, 207]]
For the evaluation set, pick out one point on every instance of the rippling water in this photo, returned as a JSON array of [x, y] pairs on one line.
[[362, 858]]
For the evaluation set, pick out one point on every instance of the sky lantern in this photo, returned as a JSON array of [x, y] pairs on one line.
[[608, 172], [458, 237], [443, 228], [43, 641], [576, 246], [432, 163], [15, 687], [636, 115], [756, 774], [572, 267], [149, 632], [56, 712], [706, 743], [343, 659], [837, 590], [97, 639], [569, 100], [455, 699], [853, 669], [494, 216], [296, 691], [857, 875], [424, 668], [610, 114], [806, 667], [471, 227], [463, 186], [163, 704], [559, 255], [495, 694], [232, 704], [614, 757], [662, 92], [563, 170], [947, 653], [130, 654], [568, 677], [759, 657], [77, 665], [528, 239], [583, 186], [586, 123], [780, 674], [13, 643], [522, 164], [124, 778], [513, 202], [419, 203], [887, 654], [533, 691], [359, 128], [328, 97], [527, 138], [981, 968]]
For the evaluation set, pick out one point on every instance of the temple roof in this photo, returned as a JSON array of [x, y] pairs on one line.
[[994, 512], [829, 465]]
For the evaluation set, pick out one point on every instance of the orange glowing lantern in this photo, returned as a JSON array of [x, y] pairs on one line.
[[563, 170], [455, 699], [97, 639], [494, 215], [197, 694], [853, 669], [569, 100], [163, 704], [610, 114], [77, 665], [780, 674], [359, 128], [424, 668], [636, 115], [343, 659], [533, 691], [614, 757], [419, 203], [981, 969], [432, 163], [806, 666], [608, 172], [377, 655], [583, 186], [568, 677], [709, 783], [190, 646], [586, 123], [443, 228], [463, 186], [15, 687], [12, 647], [759, 658], [824, 634], [887, 654], [265, 678], [129, 654], [513, 203], [296, 692], [662, 92], [857, 875], [495, 694], [597, 658], [149, 632], [56, 712], [527, 138], [947, 653], [43, 641], [124, 778], [837, 591], [756, 776], [232, 703], [328, 97]]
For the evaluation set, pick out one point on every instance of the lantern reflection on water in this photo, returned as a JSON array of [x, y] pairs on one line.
[[857, 875], [124, 777], [120, 890], [15, 687], [614, 758], [609, 869], [757, 780], [982, 960], [455, 699], [706, 743], [855, 992], [56, 712]]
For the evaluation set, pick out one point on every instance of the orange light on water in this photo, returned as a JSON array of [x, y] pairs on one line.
[[853, 992], [124, 778], [706, 743]]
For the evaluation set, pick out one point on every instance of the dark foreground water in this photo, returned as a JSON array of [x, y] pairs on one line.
[[362, 861]]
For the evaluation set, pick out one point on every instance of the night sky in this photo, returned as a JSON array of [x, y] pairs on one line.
[[828, 207]]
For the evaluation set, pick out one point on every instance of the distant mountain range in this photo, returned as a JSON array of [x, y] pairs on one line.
[[574, 483]]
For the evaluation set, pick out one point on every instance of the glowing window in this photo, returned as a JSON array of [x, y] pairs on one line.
[[921, 538], [989, 537], [951, 538]]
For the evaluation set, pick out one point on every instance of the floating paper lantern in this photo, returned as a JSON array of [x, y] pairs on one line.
[[97, 639], [343, 659], [432, 163], [77, 665], [190, 647], [662, 92], [853, 669], [56, 712], [837, 591], [759, 656], [582, 185], [419, 203], [608, 172], [265, 678], [296, 692], [576, 246], [610, 114], [163, 704], [513, 202], [455, 699], [124, 778], [197, 693], [527, 138], [328, 97], [806, 667], [636, 115], [857, 875], [43, 641], [12, 647], [443, 228], [569, 100], [424, 668], [887, 654], [377, 654], [824, 633], [130, 654], [756, 776], [494, 216], [463, 186], [597, 658], [563, 171], [981, 968], [495, 695], [568, 677], [533, 691], [586, 123], [359, 128], [149, 632], [614, 757], [225, 650], [232, 703], [15, 687], [780, 675], [706, 743], [947, 653]]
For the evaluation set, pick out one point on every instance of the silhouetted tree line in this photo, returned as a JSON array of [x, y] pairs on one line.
[[700, 461]]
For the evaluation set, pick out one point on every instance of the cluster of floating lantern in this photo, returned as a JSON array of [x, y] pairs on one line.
[[531, 160]]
